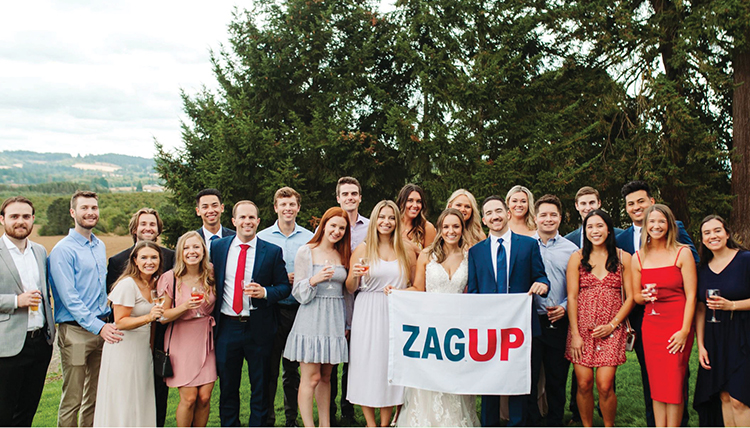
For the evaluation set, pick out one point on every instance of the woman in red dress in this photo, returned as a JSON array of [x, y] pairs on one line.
[[667, 276], [598, 277]]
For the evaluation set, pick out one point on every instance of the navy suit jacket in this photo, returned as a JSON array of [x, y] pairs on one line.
[[269, 271], [575, 236], [526, 268], [625, 240], [224, 233]]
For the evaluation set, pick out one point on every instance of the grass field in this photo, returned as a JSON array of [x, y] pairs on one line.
[[630, 410]]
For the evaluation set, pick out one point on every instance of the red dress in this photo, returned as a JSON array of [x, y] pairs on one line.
[[599, 300], [666, 372]]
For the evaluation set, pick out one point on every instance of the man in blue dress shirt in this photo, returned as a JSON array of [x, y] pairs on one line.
[[77, 275], [550, 346], [290, 236]]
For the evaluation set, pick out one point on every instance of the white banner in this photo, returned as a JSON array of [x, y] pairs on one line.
[[460, 343]]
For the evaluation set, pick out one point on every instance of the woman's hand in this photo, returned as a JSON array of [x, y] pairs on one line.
[[193, 303], [677, 342], [156, 312], [576, 347], [358, 270], [647, 296], [388, 288], [602, 331], [323, 275], [719, 303], [703, 358]]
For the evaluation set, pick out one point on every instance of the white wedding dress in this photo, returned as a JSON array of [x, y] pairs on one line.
[[424, 408]]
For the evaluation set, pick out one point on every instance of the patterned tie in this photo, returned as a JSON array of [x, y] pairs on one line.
[[238, 278], [501, 268]]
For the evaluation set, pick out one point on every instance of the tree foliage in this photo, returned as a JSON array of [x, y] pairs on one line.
[[475, 94]]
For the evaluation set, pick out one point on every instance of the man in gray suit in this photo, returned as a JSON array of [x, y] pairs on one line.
[[27, 326]]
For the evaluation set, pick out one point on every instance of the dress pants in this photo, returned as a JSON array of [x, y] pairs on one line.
[[22, 379], [490, 416], [548, 351], [234, 345], [81, 357], [290, 373]]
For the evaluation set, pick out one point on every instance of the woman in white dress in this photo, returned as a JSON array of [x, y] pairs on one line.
[[125, 395], [441, 268], [388, 262]]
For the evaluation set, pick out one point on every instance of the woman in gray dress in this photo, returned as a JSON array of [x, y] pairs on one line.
[[317, 339]]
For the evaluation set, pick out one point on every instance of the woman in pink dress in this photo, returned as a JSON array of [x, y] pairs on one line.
[[599, 300], [189, 339]]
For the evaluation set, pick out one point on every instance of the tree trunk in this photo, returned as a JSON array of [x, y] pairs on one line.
[[740, 219]]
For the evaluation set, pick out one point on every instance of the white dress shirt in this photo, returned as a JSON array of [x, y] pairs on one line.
[[637, 237], [207, 236], [233, 257], [494, 246], [28, 270]]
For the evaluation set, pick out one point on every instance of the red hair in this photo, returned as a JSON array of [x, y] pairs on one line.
[[344, 246]]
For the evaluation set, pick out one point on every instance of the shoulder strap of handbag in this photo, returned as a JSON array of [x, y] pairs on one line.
[[622, 291], [174, 300]]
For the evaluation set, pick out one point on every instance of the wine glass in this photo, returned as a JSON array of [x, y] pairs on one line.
[[158, 300], [713, 292], [198, 292], [653, 291], [246, 285], [365, 268], [550, 306], [327, 264]]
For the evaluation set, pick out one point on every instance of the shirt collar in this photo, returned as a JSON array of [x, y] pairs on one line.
[[275, 229], [550, 241], [80, 239], [207, 233], [360, 219], [12, 247], [506, 236], [236, 242]]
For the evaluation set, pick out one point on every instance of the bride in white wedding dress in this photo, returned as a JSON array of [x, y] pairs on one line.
[[441, 268]]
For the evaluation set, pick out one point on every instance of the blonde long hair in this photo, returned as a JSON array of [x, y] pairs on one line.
[[204, 269], [473, 233], [672, 244], [436, 249], [372, 239], [530, 212]]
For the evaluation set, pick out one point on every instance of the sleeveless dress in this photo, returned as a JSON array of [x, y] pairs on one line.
[[191, 347], [599, 300], [368, 358], [666, 372], [125, 395], [728, 341], [431, 408], [318, 333]]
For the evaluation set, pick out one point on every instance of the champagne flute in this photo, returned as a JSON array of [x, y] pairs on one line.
[[198, 292], [328, 265], [653, 291], [158, 300], [713, 292], [247, 285], [550, 306], [365, 268]]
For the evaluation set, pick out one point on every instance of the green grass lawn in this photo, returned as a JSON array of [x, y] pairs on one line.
[[630, 410]]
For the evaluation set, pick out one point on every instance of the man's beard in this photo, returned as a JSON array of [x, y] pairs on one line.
[[15, 233]]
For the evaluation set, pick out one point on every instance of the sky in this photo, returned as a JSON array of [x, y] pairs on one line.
[[100, 76]]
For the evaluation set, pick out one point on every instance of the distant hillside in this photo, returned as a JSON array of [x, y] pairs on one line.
[[113, 171]]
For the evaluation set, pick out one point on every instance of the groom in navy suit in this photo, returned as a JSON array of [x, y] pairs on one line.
[[246, 318], [506, 263]]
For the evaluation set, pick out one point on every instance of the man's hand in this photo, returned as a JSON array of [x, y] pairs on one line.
[[555, 313], [110, 333], [538, 288], [29, 298]]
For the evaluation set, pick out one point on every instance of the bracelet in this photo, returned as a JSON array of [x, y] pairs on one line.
[[613, 327]]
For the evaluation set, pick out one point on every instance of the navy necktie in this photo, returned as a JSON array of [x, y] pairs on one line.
[[502, 286], [212, 238]]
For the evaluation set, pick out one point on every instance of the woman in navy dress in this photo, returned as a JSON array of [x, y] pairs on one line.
[[724, 346]]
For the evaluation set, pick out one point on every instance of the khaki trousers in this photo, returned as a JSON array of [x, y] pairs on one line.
[[81, 356]]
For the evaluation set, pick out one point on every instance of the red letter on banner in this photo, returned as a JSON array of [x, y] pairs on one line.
[[506, 344], [491, 345]]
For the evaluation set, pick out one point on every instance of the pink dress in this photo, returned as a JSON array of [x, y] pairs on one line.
[[192, 347]]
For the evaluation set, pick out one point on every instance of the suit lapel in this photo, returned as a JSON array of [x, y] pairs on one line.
[[260, 254], [514, 244], [41, 261], [8, 259]]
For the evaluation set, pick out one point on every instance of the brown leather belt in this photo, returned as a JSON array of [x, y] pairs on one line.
[[240, 318]]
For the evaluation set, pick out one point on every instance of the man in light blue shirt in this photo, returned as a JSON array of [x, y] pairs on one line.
[[549, 348], [77, 268], [290, 236]]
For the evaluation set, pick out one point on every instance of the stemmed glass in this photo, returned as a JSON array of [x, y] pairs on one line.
[[550, 306], [246, 285], [365, 268], [328, 265], [652, 291], [713, 292], [198, 292], [158, 300]]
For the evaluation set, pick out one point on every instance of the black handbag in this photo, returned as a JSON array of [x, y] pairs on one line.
[[162, 362]]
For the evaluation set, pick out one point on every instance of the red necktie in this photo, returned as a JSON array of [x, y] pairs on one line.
[[238, 278]]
